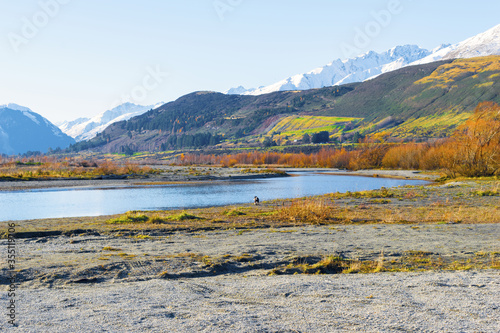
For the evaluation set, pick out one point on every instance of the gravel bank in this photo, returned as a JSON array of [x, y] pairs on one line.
[[166, 174], [385, 302], [68, 287], [59, 261]]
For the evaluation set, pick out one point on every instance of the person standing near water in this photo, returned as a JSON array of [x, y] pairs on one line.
[[255, 200]]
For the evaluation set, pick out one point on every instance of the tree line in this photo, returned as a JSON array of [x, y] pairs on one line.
[[472, 151]]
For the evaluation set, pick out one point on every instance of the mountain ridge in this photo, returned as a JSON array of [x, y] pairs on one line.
[[339, 71], [87, 128], [441, 94], [371, 64], [22, 130]]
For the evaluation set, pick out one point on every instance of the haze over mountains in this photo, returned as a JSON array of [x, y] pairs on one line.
[[22, 130], [372, 64]]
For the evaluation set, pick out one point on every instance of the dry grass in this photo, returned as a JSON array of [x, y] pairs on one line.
[[308, 211], [109, 248], [410, 261]]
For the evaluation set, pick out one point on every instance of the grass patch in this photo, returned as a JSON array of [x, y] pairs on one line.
[[142, 236], [233, 212], [374, 194], [331, 264], [183, 216], [409, 261], [109, 248], [129, 217], [487, 193]]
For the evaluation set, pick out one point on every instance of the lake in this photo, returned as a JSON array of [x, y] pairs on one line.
[[67, 202]]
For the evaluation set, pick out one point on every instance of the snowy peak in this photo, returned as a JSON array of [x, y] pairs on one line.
[[484, 44], [16, 107], [238, 91], [22, 130], [32, 116], [87, 128], [358, 69], [371, 64]]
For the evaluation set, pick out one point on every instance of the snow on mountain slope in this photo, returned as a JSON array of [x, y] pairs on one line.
[[240, 90], [372, 64], [437, 54], [484, 44], [14, 106], [23, 130], [85, 128], [340, 71]]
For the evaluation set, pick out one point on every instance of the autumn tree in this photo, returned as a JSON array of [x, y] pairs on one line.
[[476, 144]]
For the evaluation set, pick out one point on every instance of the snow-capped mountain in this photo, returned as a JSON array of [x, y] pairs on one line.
[[437, 54], [372, 64], [87, 128], [241, 91], [484, 44], [22, 130], [340, 71]]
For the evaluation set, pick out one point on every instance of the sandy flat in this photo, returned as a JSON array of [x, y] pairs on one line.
[[385, 302], [66, 287]]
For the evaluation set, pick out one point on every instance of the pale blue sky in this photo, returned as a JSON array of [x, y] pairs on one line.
[[84, 55]]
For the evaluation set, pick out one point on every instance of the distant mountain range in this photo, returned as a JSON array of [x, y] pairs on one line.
[[409, 91], [372, 64], [22, 130], [87, 128], [412, 103], [339, 72]]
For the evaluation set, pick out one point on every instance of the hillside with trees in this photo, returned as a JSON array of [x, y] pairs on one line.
[[414, 103]]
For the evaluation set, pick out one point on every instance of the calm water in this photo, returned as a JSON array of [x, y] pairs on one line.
[[53, 203]]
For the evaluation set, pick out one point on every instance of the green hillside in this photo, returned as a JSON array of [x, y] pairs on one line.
[[416, 102]]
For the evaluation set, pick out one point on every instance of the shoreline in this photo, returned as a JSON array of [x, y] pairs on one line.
[[195, 175], [167, 175]]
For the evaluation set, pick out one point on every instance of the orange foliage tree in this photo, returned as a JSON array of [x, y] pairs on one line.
[[475, 147]]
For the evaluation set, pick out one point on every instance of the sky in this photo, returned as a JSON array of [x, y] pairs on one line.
[[66, 59]]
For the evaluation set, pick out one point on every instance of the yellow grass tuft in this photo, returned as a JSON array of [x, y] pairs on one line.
[[308, 211]]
